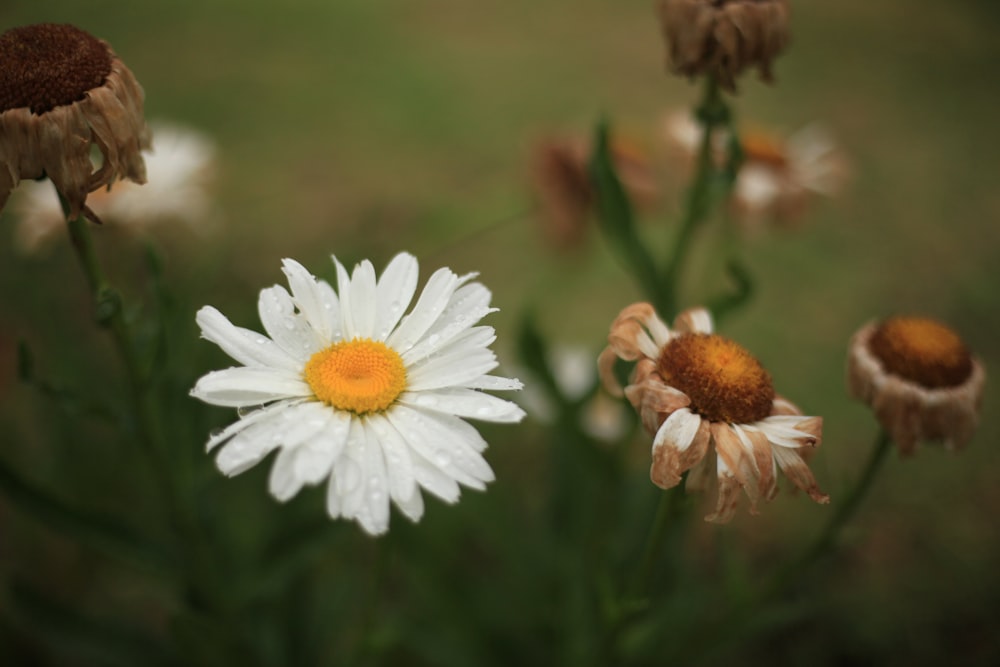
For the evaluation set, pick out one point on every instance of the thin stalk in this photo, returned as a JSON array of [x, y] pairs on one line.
[[712, 113], [827, 539], [731, 626]]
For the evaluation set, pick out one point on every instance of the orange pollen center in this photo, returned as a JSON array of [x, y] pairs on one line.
[[360, 375], [922, 351], [724, 382], [761, 148], [47, 65]]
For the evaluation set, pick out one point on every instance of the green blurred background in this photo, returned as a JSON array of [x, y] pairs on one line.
[[364, 127]]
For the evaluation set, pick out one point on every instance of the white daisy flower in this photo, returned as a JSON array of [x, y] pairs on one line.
[[179, 167], [351, 392]]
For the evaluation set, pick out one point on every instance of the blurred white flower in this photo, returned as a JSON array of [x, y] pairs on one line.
[[352, 393], [575, 372], [778, 175], [179, 168]]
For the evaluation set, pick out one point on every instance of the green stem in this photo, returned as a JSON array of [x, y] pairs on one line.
[[666, 513], [712, 113], [147, 423]]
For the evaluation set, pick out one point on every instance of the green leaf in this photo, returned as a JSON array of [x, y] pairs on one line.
[[724, 305], [615, 215]]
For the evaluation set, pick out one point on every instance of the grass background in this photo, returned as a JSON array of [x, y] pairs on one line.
[[363, 127]]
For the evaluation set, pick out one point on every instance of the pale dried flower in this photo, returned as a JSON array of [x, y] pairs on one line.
[[721, 38], [63, 92], [709, 404], [778, 177], [920, 380]]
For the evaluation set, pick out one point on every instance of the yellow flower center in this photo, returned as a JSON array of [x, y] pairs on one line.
[[922, 351], [724, 382], [48, 65], [359, 375]]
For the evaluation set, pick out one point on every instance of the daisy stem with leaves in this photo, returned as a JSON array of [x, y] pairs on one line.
[[145, 422]]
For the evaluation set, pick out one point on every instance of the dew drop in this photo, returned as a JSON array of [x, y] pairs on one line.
[[442, 458]]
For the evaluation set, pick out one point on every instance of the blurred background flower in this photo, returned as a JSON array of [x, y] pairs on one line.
[[180, 167], [777, 177]]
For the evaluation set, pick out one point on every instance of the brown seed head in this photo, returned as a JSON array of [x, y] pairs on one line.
[[724, 37], [724, 382], [48, 65], [922, 351]]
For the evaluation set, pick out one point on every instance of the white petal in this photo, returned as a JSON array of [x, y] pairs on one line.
[[412, 507], [395, 290], [450, 371], [678, 430], [270, 430], [248, 420], [374, 513], [245, 346], [469, 304], [346, 489], [331, 304], [287, 328], [399, 465], [494, 383], [432, 302], [363, 300], [443, 441], [240, 387], [465, 403], [309, 297], [432, 478]]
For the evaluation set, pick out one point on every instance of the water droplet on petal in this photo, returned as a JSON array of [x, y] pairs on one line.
[[442, 458]]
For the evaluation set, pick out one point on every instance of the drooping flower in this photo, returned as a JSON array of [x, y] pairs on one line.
[[179, 166], [709, 404], [354, 393], [62, 92], [919, 378], [721, 38], [778, 176]]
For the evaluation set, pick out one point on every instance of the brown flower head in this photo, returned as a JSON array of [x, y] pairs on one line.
[[724, 37], [709, 403], [919, 378], [63, 91]]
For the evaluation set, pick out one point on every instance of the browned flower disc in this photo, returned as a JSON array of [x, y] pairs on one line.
[[724, 382], [922, 351], [49, 65]]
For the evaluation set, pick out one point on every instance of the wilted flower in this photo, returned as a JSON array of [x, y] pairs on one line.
[[777, 177], [705, 397], [351, 391], [724, 37], [62, 92], [919, 378], [561, 181], [179, 166]]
